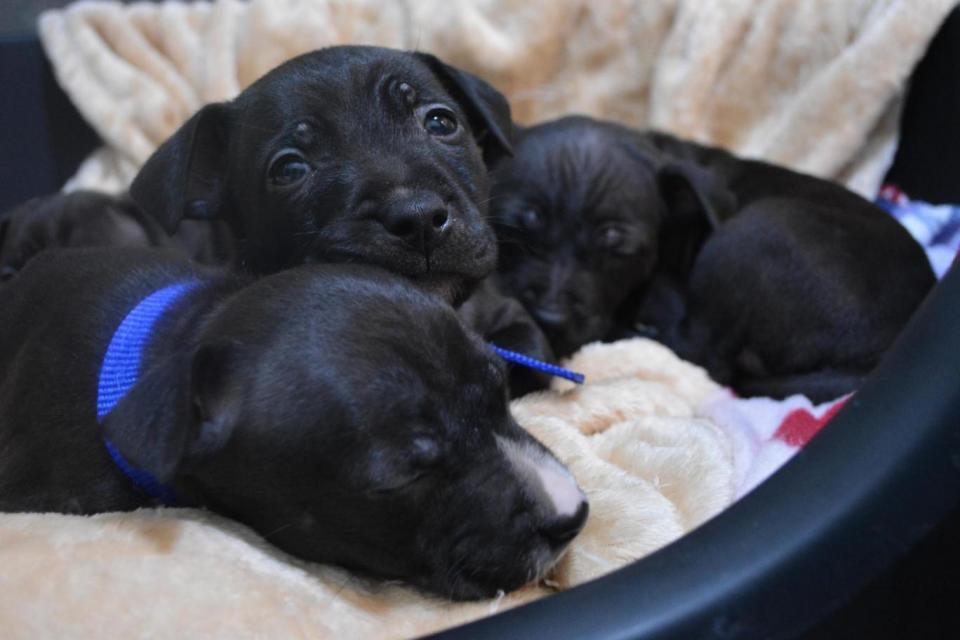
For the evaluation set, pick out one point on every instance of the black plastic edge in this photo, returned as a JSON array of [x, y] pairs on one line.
[[880, 475]]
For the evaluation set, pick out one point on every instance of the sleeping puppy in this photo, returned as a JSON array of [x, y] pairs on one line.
[[338, 410], [79, 219], [776, 282], [90, 219]]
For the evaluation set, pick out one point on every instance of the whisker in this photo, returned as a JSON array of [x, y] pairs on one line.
[[278, 530]]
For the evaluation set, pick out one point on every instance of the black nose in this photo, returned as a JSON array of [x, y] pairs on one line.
[[565, 528], [550, 316], [419, 217]]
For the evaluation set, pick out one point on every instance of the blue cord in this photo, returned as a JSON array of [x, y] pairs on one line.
[[539, 365]]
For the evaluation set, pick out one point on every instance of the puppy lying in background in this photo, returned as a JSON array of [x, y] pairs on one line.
[[776, 282], [347, 154], [90, 219], [339, 411]]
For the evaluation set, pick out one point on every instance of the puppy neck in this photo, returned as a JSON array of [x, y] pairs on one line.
[[122, 365]]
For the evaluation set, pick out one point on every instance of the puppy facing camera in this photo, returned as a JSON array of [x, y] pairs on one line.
[[341, 412], [348, 154], [345, 154]]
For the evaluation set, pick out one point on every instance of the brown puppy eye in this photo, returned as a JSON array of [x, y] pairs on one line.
[[531, 219], [440, 122], [288, 168]]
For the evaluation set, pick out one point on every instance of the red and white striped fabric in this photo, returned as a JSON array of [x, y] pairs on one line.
[[764, 432]]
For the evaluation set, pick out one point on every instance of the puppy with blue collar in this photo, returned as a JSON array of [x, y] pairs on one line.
[[339, 410]]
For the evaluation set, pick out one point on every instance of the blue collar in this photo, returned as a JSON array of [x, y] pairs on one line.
[[121, 367]]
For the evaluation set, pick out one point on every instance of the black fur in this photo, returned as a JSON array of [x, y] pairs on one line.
[[338, 410], [377, 187], [329, 158], [776, 282], [91, 219]]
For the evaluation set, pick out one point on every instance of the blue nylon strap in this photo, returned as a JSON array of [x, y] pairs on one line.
[[121, 368], [539, 365]]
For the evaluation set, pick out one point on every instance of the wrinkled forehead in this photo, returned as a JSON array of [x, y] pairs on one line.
[[338, 81], [432, 376], [586, 167]]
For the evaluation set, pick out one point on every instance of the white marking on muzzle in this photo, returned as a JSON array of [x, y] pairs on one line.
[[545, 476]]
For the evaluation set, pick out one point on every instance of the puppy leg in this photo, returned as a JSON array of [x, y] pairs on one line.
[[504, 322]]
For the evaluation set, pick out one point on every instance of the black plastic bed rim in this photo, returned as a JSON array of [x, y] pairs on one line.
[[879, 476]]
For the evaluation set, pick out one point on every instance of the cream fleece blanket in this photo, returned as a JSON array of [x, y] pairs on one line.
[[811, 84], [651, 469]]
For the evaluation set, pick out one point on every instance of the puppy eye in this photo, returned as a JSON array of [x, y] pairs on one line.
[[425, 452], [440, 122], [288, 168], [531, 219], [610, 237]]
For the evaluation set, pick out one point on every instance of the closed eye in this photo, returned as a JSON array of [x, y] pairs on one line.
[[398, 485]]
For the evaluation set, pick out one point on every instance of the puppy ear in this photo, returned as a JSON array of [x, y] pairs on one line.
[[212, 399], [486, 108], [184, 177], [168, 417], [695, 203], [151, 424]]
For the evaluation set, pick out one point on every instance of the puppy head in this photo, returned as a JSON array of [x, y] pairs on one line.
[[349, 418], [584, 212], [77, 219], [346, 154]]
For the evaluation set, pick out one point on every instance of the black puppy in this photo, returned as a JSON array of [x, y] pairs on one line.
[[776, 282], [353, 154], [339, 411], [89, 219], [346, 154]]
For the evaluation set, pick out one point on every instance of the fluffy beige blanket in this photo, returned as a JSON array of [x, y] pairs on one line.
[[651, 469], [815, 85], [812, 84]]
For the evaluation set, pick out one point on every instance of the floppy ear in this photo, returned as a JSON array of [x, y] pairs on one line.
[[184, 177], [486, 108], [168, 417], [695, 203]]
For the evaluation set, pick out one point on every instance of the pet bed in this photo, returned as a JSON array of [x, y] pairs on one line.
[[657, 446]]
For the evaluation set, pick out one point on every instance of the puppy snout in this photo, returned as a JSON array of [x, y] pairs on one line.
[[560, 488], [560, 506], [565, 527], [418, 217]]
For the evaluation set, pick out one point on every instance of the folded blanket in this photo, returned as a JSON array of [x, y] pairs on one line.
[[813, 85]]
